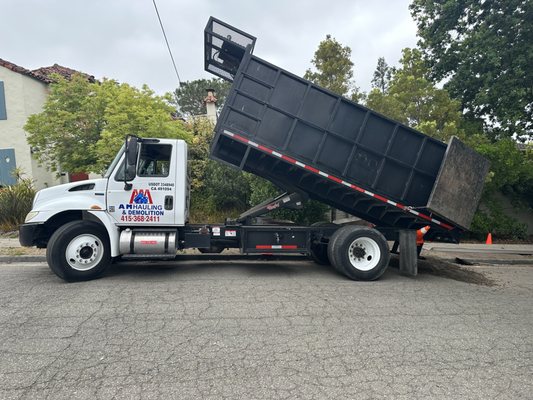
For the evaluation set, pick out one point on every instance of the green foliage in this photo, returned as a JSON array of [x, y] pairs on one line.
[[334, 69], [137, 112], [217, 191], [83, 124], [413, 99], [15, 202], [228, 187], [64, 134], [509, 166], [382, 75], [511, 173], [261, 190], [201, 130], [484, 49], [190, 96], [491, 218]]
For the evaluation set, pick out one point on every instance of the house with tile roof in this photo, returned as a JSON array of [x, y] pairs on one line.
[[23, 92]]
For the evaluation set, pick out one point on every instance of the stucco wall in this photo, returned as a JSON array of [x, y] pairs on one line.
[[24, 96]]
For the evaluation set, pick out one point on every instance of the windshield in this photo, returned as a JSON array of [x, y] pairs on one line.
[[114, 162]]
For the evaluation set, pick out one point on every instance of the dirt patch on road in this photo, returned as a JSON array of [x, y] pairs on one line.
[[445, 269]]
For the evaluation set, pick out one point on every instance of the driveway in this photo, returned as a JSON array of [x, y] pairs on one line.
[[252, 330]]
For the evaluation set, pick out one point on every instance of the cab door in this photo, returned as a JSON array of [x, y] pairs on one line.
[[151, 198]]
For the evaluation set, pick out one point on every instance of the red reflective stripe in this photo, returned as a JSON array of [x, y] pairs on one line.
[[335, 179], [312, 169], [425, 217], [288, 159], [242, 139], [377, 196], [265, 149]]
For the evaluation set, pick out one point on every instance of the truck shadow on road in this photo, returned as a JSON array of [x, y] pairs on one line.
[[222, 270]]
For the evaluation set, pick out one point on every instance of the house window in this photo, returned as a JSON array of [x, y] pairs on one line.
[[3, 113]]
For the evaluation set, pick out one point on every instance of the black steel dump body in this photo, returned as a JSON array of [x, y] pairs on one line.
[[307, 139]]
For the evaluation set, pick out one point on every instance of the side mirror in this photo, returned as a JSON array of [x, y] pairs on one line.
[[131, 150], [130, 160]]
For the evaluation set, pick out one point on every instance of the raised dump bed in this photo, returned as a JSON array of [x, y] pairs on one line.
[[305, 138]]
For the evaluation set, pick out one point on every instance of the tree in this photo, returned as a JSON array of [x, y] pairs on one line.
[[484, 50], [83, 124], [190, 95], [382, 75], [63, 135], [137, 112], [334, 69], [415, 101], [217, 191]]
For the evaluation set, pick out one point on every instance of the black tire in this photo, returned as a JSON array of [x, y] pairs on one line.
[[359, 252], [89, 252], [331, 250], [211, 250], [319, 254]]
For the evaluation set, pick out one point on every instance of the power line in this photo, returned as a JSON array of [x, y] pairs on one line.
[[168, 46]]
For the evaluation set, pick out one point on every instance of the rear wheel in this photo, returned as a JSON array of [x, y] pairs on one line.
[[319, 254], [319, 251], [79, 251], [359, 252]]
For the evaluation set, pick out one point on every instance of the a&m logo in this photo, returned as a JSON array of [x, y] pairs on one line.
[[141, 196]]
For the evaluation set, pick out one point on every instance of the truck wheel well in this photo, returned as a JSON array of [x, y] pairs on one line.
[[56, 222]]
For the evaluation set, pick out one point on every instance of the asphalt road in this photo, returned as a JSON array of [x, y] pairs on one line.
[[285, 330]]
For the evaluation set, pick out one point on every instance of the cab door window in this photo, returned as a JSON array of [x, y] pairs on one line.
[[154, 160]]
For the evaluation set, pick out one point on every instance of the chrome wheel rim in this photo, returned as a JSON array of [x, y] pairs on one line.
[[84, 252]]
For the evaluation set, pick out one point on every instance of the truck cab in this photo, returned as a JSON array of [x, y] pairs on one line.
[[151, 190]]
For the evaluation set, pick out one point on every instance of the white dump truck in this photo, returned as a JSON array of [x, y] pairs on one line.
[[305, 139]]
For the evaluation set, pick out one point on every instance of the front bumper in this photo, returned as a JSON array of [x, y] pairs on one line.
[[29, 234]]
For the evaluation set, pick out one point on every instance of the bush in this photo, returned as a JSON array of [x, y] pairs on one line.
[[261, 190], [15, 202], [492, 218]]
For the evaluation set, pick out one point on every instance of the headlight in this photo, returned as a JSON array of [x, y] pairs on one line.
[[31, 215]]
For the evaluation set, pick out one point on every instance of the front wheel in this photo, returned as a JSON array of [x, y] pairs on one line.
[[359, 252], [79, 251]]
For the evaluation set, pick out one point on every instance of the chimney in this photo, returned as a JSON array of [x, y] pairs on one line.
[[211, 105]]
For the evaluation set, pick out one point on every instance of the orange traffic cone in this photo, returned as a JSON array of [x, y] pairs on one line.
[[420, 235], [489, 238]]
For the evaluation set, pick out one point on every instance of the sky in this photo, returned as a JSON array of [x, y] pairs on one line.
[[122, 39]]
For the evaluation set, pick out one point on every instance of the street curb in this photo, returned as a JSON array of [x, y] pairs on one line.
[[21, 259]]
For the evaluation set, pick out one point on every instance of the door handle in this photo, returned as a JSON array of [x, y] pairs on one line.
[[169, 202]]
